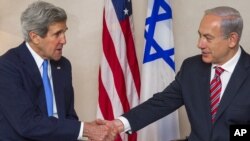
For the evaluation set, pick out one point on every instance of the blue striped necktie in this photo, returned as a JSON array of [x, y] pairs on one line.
[[47, 89]]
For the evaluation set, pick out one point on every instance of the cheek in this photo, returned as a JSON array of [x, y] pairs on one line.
[[48, 50], [52, 51], [215, 48], [51, 46], [215, 53]]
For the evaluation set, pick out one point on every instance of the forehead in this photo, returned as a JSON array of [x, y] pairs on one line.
[[210, 24], [58, 26]]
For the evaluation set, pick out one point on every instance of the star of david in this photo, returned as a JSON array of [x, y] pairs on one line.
[[149, 35]]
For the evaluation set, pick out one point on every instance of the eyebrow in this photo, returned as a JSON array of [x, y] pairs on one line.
[[62, 30], [206, 34]]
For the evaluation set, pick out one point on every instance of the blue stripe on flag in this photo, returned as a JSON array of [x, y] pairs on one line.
[[151, 43]]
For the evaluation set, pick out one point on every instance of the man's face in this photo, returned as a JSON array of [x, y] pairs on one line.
[[50, 46], [214, 46]]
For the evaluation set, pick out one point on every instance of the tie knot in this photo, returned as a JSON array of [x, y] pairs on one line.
[[218, 71], [45, 64]]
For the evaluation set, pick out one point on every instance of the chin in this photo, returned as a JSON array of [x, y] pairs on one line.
[[206, 60], [57, 58]]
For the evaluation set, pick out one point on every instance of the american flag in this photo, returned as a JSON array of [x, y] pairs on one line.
[[119, 77]]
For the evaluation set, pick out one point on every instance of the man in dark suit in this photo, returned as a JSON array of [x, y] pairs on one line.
[[24, 111], [210, 109]]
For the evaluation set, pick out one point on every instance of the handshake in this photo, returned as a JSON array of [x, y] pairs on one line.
[[102, 130]]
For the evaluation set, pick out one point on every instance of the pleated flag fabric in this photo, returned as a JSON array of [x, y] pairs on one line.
[[119, 77], [158, 68]]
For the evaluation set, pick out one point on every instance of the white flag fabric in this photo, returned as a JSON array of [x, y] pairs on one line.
[[158, 68]]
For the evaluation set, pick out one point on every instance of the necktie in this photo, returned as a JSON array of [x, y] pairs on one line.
[[47, 89], [215, 90]]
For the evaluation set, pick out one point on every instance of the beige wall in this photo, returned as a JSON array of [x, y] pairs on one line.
[[84, 39]]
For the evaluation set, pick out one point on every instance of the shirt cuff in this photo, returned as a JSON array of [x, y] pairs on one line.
[[127, 127], [80, 136]]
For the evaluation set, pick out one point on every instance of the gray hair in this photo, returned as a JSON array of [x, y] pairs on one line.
[[231, 19], [39, 16]]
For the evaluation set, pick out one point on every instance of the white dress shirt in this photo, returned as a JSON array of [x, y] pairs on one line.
[[228, 70]]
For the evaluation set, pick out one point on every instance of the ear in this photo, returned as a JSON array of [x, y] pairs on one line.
[[34, 37], [233, 39]]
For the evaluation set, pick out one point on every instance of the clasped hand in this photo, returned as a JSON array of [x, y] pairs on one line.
[[102, 130]]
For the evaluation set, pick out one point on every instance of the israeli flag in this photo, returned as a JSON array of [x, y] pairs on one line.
[[158, 68]]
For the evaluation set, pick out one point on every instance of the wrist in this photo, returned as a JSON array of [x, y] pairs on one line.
[[86, 129], [119, 125]]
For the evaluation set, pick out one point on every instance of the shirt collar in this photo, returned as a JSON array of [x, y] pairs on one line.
[[38, 59], [230, 64]]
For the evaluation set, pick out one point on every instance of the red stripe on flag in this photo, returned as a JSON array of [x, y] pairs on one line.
[[110, 54], [131, 55], [104, 101], [132, 61], [105, 104]]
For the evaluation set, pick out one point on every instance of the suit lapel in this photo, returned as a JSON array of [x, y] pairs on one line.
[[57, 75], [204, 87], [235, 82], [30, 66]]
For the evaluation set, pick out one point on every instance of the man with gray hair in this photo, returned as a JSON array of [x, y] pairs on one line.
[[213, 86], [36, 92]]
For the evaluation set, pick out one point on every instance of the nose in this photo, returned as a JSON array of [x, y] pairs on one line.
[[201, 43], [63, 38]]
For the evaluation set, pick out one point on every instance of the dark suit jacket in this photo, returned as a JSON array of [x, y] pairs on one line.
[[191, 88], [23, 113]]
